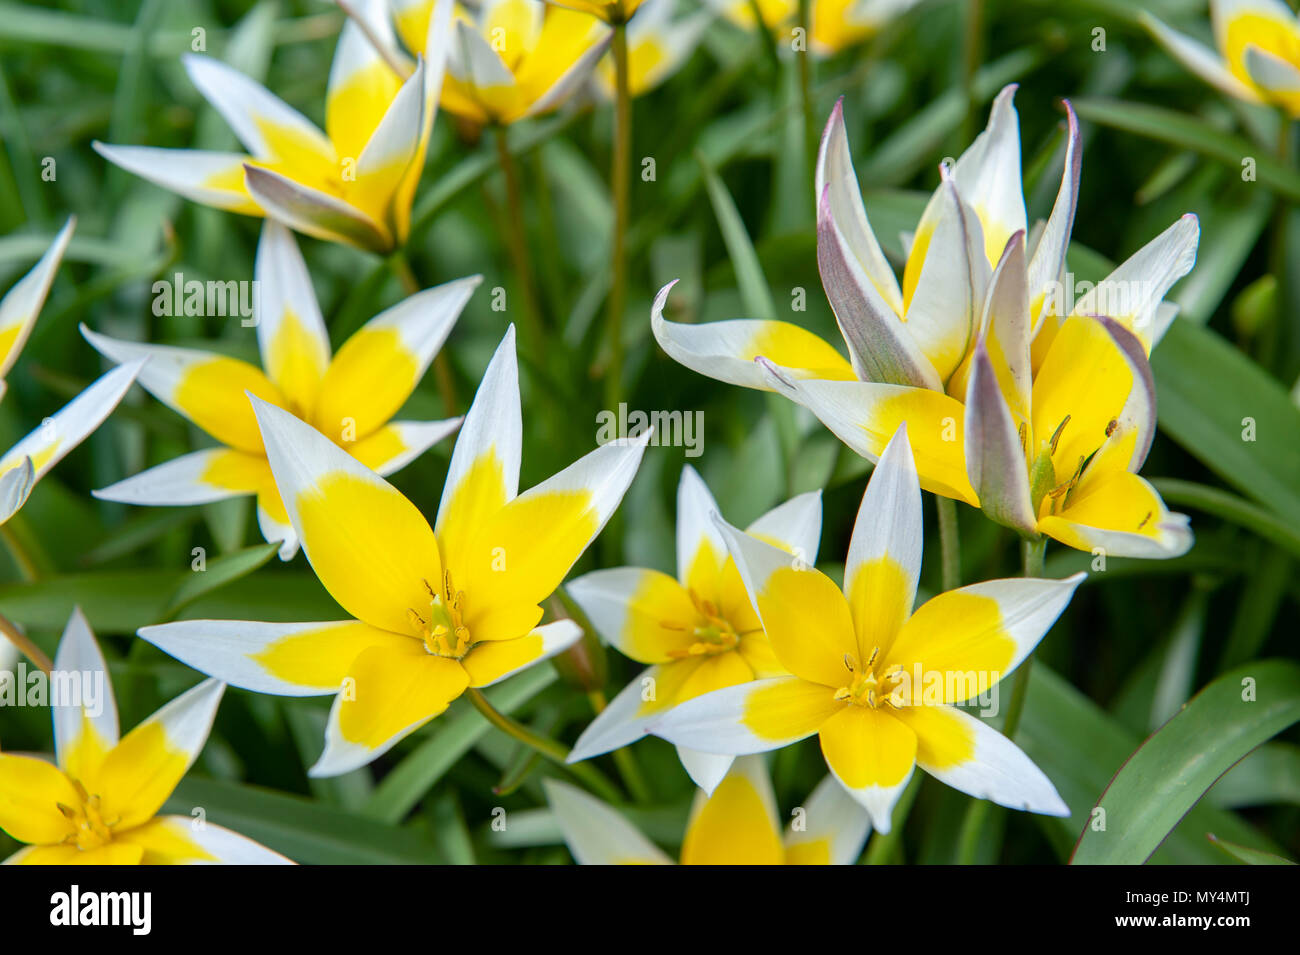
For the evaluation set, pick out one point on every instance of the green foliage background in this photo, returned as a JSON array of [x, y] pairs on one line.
[[1138, 641]]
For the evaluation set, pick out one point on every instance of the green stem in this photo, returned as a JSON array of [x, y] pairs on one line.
[[972, 53], [765, 35], [534, 330], [24, 644], [588, 775], [26, 568], [949, 542], [805, 94], [441, 367], [620, 182]]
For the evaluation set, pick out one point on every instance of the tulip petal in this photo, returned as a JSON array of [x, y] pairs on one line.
[[706, 770], [872, 754], [628, 716], [377, 369], [138, 774], [386, 160], [398, 443], [737, 824], [211, 178], [701, 551], [884, 559], [1199, 58], [313, 212], [1119, 514], [995, 454], [988, 175], [1047, 264], [369, 545], [595, 833], [644, 614], [726, 350], [795, 526], [974, 636], [85, 726], [22, 303], [392, 692], [284, 659], [834, 830], [749, 717], [362, 84], [15, 487], [566, 53], [491, 661], [182, 840], [207, 388], [290, 330], [31, 791], [969, 755]]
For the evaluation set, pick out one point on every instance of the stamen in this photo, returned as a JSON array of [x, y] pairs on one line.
[[1056, 435]]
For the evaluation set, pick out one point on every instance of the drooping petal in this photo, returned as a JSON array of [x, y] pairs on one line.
[[206, 388], [22, 303], [644, 614], [392, 691], [595, 833], [958, 749], [314, 212], [726, 350], [138, 774], [1119, 514], [872, 754], [737, 824], [211, 178], [377, 369], [962, 642], [31, 791], [988, 175], [55, 437], [286, 659], [834, 828], [290, 330], [182, 840], [865, 415], [804, 614], [491, 661], [369, 545], [884, 559], [750, 717], [85, 711], [484, 470]]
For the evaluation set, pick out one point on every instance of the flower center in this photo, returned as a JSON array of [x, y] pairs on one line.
[[867, 685], [442, 625], [92, 829], [712, 632]]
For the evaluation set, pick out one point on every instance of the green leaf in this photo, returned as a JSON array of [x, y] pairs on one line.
[[1189, 132], [1247, 855], [408, 782], [754, 291], [219, 572], [299, 828], [1169, 773]]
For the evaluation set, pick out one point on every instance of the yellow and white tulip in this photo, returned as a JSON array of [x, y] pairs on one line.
[[508, 59], [351, 397], [35, 455], [1074, 381], [1257, 55], [833, 25], [697, 632], [98, 803], [878, 683], [354, 182], [433, 611], [737, 825]]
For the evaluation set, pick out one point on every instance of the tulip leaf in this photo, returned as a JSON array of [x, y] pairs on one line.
[[1190, 132], [754, 291], [217, 572], [1246, 854], [1172, 770]]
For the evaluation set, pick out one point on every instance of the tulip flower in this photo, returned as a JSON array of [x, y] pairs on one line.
[[508, 59], [350, 397], [658, 43], [1258, 51], [833, 25], [878, 683], [972, 287], [737, 825], [433, 612], [611, 11], [98, 804], [35, 455], [354, 182], [697, 632]]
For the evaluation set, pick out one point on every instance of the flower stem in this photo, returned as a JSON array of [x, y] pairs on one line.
[[1031, 557], [949, 542], [619, 179], [24, 644], [441, 367], [518, 245], [972, 53], [805, 94], [588, 775]]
